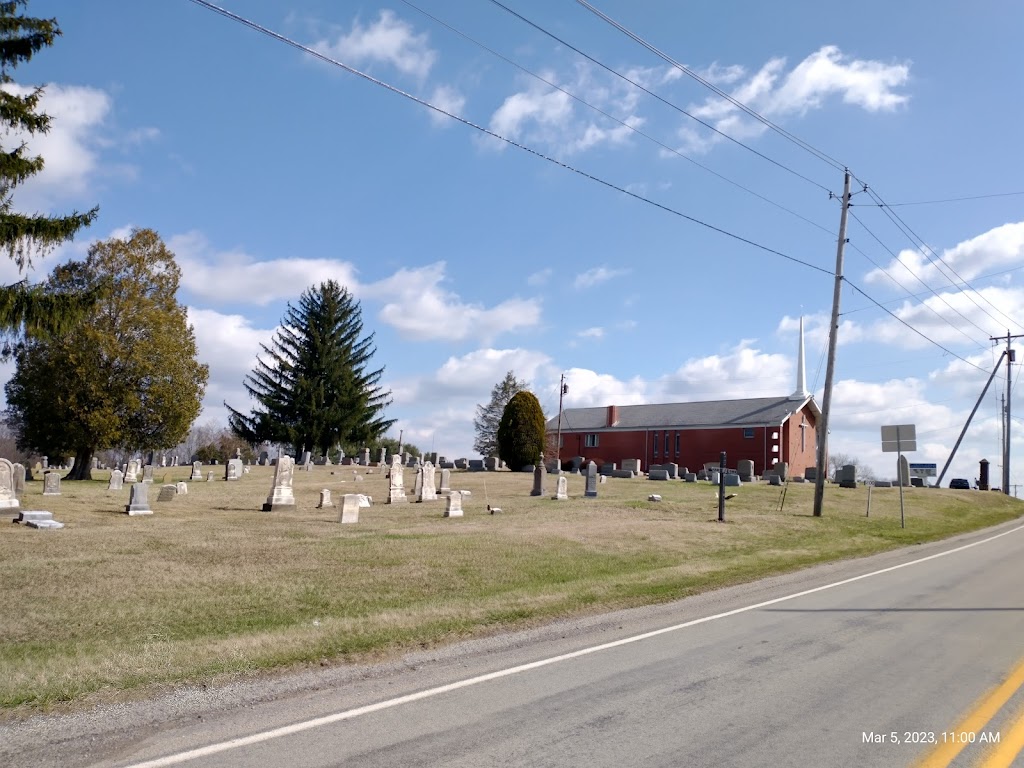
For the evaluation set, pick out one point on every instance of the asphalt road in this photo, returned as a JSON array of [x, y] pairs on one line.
[[863, 673]]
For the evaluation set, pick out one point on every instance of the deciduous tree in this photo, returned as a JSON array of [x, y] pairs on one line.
[[311, 384], [489, 416], [125, 376]]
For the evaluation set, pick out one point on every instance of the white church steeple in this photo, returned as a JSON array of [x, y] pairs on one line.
[[801, 392]]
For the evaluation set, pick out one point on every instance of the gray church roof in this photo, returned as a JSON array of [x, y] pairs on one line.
[[753, 412]]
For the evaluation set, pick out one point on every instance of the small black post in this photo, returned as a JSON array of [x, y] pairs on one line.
[[721, 488]]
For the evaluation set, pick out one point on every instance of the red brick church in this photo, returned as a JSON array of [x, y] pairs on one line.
[[765, 430]]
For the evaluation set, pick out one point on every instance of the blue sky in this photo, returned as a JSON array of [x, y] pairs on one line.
[[268, 171]]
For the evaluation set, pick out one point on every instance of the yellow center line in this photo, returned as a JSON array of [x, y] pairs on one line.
[[1010, 745], [984, 710]]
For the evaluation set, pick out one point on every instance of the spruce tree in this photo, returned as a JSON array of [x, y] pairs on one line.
[[521, 431], [24, 308], [489, 416], [311, 384]]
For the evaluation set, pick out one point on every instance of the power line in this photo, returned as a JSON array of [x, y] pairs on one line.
[[613, 118], [922, 282], [918, 242], [951, 199], [352, 70], [654, 95], [828, 159], [904, 322]]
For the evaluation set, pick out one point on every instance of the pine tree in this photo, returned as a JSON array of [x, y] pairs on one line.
[[124, 376], [24, 308], [489, 416], [521, 431], [312, 386]]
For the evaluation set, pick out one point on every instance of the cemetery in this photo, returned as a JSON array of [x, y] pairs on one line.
[[175, 580]]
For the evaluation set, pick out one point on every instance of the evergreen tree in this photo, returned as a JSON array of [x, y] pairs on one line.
[[489, 416], [521, 431], [312, 386], [125, 375], [24, 308]]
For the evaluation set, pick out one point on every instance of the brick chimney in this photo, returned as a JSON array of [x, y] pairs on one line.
[[613, 416]]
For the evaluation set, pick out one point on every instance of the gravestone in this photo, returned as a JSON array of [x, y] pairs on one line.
[[715, 477], [591, 489], [538, 480], [476, 465], [783, 469], [883, 483], [131, 471], [732, 479], [281, 495], [45, 462], [396, 486], [460, 464], [147, 473], [446, 482], [366, 457], [562, 491], [903, 467], [209, 476], [8, 498], [197, 470], [745, 469], [116, 480], [633, 465], [690, 477], [263, 459], [163, 460], [491, 463], [847, 476], [325, 499], [37, 519], [233, 469], [350, 504], [138, 500], [383, 456], [774, 479], [607, 469], [181, 487], [654, 497], [453, 505], [428, 491], [672, 469], [811, 474], [167, 492], [51, 484], [657, 474], [417, 483], [95, 462], [306, 458], [19, 480], [626, 473]]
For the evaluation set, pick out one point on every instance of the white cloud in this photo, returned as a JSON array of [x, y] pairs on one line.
[[540, 278], [596, 276], [996, 249], [420, 308], [70, 148], [541, 115], [591, 333], [388, 40], [743, 372], [450, 100], [236, 277], [229, 344], [870, 85], [588, 388]]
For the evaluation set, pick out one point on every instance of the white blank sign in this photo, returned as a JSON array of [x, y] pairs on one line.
[[899, 437]]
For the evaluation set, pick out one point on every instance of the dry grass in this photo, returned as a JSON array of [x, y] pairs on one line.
[[211, 586]]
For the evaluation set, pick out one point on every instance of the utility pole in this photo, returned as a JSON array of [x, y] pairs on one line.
[[562, 389], [826, 400], [400, 433], [1010, 357]]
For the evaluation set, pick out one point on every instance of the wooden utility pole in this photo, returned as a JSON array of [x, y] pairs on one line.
[[562, 389], [826, 400], [1010, 357]]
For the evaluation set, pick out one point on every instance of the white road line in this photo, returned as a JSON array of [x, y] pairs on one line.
[[288, 730]]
